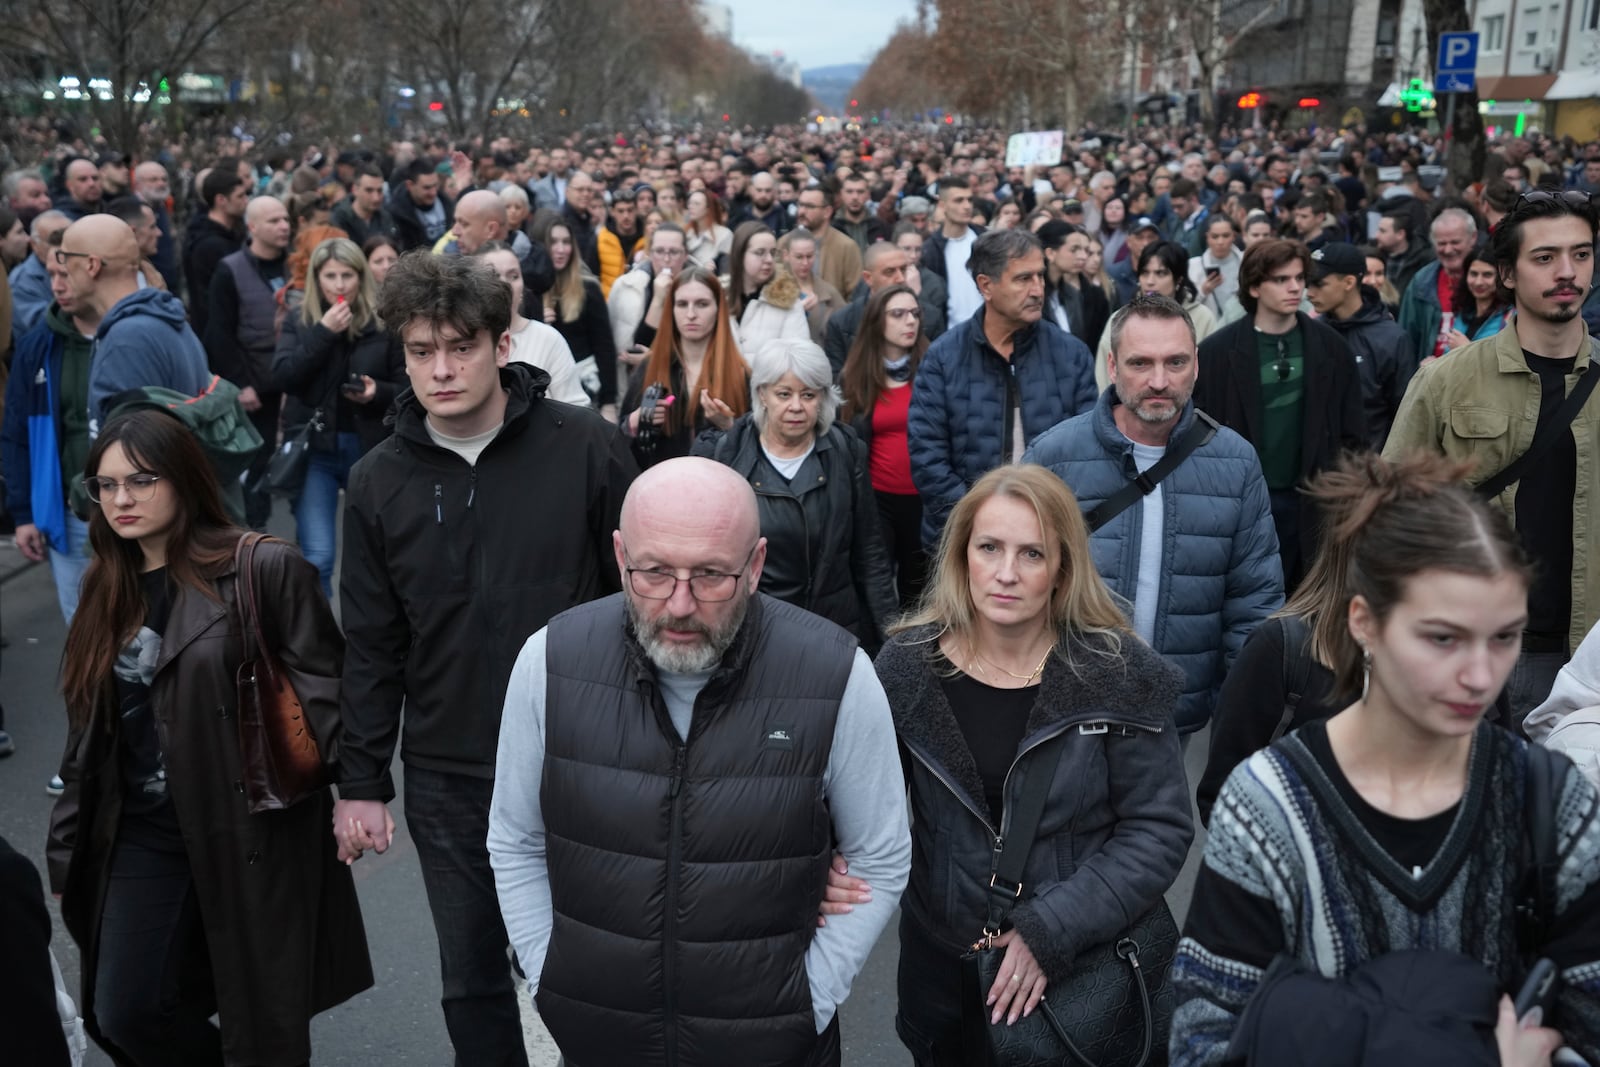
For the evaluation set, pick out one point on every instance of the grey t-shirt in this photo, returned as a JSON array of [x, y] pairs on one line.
[[1152, 532]]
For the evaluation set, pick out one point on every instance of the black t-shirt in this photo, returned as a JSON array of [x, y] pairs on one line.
[[993, 722], [147, 812], [1411, 843], [1544, 515]]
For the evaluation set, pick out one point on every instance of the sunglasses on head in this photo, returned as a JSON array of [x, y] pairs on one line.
[[1570, 197]]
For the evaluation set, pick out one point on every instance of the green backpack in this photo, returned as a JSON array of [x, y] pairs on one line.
[[219, 423]]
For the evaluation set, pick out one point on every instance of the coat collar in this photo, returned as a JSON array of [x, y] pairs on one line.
[[1137, 689], [1507, 348], [1111, 437]]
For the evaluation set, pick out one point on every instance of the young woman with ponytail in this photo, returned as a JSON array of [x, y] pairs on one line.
[[1388, 840]]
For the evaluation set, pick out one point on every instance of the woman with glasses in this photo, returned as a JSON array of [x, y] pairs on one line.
[[183, 903], [764, 298], [1019, 663], [876, 387], [339, 371], [824, 551]]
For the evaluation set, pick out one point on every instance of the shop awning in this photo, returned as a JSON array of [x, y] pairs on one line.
[[1575, 85], [1516, 87]]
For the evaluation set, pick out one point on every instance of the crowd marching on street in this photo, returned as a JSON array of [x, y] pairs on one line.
[[746, 538]]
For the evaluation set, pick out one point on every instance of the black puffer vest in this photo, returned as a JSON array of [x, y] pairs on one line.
[[258, 314], [685, 876]]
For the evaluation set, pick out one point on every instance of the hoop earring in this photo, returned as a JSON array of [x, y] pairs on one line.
[[1366, 672]]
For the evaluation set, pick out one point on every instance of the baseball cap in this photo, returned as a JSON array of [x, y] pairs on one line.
[[1337, 257], [915, 205], [1142, 223], [112, 156]]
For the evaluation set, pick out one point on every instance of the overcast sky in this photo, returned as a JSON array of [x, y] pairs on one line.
[[818, 33]]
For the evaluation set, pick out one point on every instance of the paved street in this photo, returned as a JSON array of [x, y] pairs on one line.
[[398, 1022]]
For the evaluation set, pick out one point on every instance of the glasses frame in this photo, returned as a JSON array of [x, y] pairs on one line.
[[1282, 365], [630, 571], [96, 486], [62, 255]]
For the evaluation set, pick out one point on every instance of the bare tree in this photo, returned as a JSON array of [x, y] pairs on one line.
[[126, 47]]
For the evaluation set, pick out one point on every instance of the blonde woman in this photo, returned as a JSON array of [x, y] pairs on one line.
[[339, 371], [575, 306], [1020, 663]]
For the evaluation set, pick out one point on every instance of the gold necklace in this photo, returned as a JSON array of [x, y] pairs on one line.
[[1019, 677]]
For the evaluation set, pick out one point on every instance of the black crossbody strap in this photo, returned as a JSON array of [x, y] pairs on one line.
[[1535, 906], [1005, 887], [1200, 432], [1548, 434]]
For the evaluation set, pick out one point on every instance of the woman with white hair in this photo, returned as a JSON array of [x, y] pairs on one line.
[[818, 514]]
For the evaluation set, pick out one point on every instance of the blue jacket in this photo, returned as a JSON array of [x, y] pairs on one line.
[[144, 339], [1221, 575], [30, 439], [963, 399], [30, 296], [1420, 312]]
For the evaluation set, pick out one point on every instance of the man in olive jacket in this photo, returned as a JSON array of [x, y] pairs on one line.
[[1477, 404]]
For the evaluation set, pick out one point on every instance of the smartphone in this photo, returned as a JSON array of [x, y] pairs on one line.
[[1536, 1000], [1212, 272], [354, 385]]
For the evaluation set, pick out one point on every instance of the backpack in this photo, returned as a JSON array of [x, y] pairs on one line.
[[217, 420]]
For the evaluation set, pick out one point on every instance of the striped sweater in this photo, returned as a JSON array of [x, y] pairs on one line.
[[1289, 869]]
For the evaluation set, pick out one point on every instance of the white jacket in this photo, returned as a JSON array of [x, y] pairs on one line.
[[1569, 721], [762, 322]]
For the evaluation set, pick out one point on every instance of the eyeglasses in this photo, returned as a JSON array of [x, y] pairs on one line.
[[905, 313], [141, 487], [1570, 197], [711, 588], [1282, 366], [62, 255]]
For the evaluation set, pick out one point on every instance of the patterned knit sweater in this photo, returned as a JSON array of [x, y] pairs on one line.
[[1290, 869]]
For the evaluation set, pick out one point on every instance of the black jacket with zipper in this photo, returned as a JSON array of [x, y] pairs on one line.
[[1116, 824], [449, 568], [1384, 361], [824, 547], [312, 362]]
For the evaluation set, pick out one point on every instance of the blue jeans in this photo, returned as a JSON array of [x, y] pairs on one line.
[[316, 510], [67, 567], [448, 817]]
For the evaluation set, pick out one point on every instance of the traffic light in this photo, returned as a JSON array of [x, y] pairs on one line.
[[1249, 100], [853, 103], [724, 116], [1310, 101]]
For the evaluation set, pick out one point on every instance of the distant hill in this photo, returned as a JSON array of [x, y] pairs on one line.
[[831, 85]]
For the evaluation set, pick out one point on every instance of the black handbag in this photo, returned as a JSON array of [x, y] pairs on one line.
[[286, 471], [1115, 1010]]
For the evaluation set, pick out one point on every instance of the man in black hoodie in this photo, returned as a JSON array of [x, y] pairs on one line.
[[461, 540], [422, 212], [1382, 350]]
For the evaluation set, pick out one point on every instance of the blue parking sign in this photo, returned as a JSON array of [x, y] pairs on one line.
[[1456, 68]]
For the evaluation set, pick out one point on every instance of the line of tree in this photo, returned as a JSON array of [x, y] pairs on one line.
[[334, 68]]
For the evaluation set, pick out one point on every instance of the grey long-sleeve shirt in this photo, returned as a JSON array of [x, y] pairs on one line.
[[863, 785]]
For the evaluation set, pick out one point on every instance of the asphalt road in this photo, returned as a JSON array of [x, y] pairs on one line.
[[398, 1022]]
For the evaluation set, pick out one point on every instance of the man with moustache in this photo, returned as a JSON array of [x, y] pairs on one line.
[[1500, 399]]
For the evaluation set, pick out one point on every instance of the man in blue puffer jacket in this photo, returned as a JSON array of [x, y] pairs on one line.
[[992, 384], [1197, 557]]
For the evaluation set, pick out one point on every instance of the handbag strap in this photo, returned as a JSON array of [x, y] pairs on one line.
[[1296, 670], [1011, 851], [1548, 434], [244, 559], [1200, 432], [1535, 904]]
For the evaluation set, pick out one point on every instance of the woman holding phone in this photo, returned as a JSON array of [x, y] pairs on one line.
[[339, 370]]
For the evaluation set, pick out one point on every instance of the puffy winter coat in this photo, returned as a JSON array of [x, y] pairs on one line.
[[965, 397], [1221, 575]]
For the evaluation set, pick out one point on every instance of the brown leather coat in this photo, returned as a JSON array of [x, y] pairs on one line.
[[281, 919]]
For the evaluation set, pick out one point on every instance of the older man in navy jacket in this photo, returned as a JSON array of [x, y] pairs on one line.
[[992, 384], [1197, 555]]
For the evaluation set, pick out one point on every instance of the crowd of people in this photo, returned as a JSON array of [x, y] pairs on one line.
[[745, 536]]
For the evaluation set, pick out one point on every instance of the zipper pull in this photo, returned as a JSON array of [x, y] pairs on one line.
[[472, 489], [438, 504], [677, 770]]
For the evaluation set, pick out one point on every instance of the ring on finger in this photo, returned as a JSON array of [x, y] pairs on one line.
[[1016, 977]]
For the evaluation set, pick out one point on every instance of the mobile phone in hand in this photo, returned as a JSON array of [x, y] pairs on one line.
[[354, 385], [1536, 1000]]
